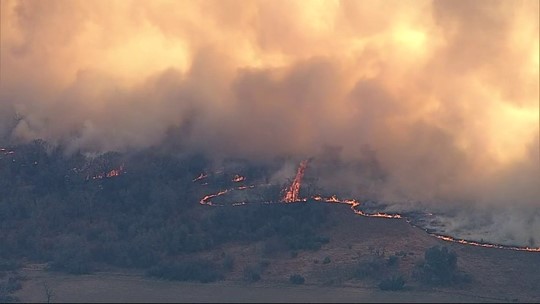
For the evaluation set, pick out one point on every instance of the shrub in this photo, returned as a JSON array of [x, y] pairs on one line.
[[370, 268], [72, 260], [272, 246], [392, 260], [6, 298], [440, 268], [13, 284], [326, 260], [392, 283], [9, 265], [8, 287], [252, 274], [264, 264], [296, 279], [228, 263]]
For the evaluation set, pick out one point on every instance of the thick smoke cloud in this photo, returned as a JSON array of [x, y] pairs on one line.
[[441, 95]]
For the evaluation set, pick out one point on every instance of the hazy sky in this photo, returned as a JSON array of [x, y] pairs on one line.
[[445, 93]]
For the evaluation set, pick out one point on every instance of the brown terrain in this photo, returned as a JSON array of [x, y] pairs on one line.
[[499, 275]]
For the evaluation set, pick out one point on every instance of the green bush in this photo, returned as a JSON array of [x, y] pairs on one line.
[[296, 279], [6, 298], [72, 260], [392, 283], [9, 265], [51, 209], [8, 287], [228, 263], [252, 273], [439, 267], [12, 284], [371, 268], [392, 260]]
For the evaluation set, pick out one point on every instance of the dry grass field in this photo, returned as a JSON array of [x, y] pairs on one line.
[[119, 288], [498, 275]]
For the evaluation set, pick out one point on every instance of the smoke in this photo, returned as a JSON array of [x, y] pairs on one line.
[[441, 95]]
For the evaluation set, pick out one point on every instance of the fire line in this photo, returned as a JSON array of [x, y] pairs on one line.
[[292, 192], [292, 196]]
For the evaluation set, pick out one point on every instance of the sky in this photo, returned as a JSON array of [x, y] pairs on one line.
[[443, 94]]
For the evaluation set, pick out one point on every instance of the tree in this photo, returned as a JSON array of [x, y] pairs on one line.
[[392, 283], [252, 273], [296, 279], [49, 293], [440, 267]]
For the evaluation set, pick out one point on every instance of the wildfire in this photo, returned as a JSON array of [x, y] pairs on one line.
[[238, 178], [486, 245], [112, 173], [6, 151], [292, 196], [206, 199], [354, 204], [201, 176], [291, 193], [245, 187], [115, 172]]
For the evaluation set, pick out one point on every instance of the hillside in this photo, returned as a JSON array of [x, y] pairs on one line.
[[157, 216], [498, 275]]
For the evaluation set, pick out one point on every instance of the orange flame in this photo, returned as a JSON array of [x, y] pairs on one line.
[[354, 204], [292, 196], [206, 199], [291, 193], [115, 172], [238, 178], [486, 245], [112, 173], [201, 176]]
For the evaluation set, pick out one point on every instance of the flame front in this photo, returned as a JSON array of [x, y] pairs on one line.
[[201, 176], [206, 199], [238, 178], [115, 172], [6, 151], [291, 193], [292, 196], [112, 173], [486, 245], [354, 204]]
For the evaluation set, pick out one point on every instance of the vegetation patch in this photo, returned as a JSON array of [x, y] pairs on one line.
[[297, 279], [392, 283], [200, 270], [439, 268], [65, 210]]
